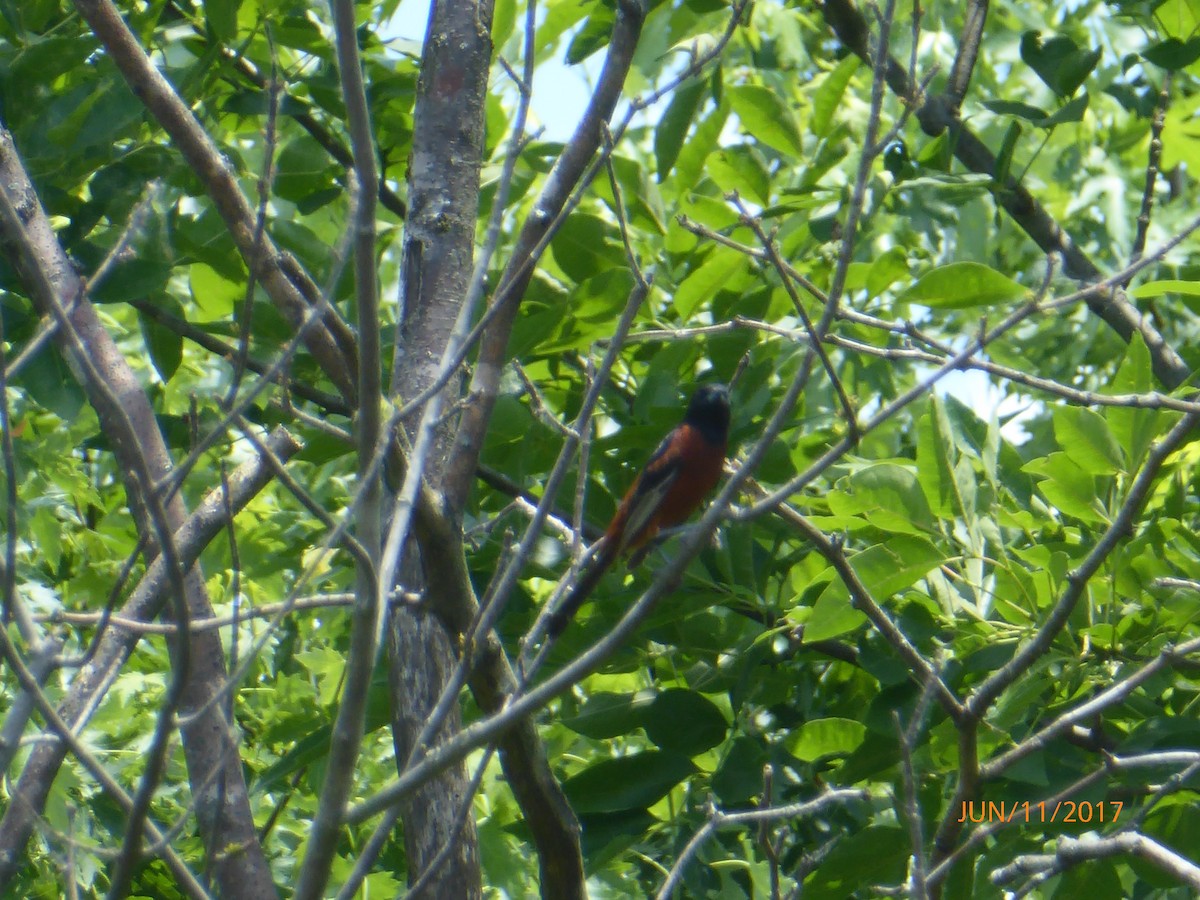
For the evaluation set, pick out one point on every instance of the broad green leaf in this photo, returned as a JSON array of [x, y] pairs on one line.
[[704, 282], [628, 782], [1181, 139], [739, 777], [935, 460], [504, 19], [825, 737], [832, 615], [164, 345], [878, 854], [1173, 54], [1059, 62], [1069, 112], [1099, 879], [1159, 288], [887, 268], [685, 722], [884, 570], [1084, 436], [887, 495], [831, 87], [739, 169], [605, 837], [113, 114], [1178, 18], [302, 168], [595, 34], [584, 247], [1068, 487], [963, 285], [214, 296], [689, 166], [766, 118], [328, 667], [221, 16], [50, 383], [1018, 109], [605, 715], [673, 127], [1133, 429], [133, 279]]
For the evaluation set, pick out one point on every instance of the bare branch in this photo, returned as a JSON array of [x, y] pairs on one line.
[[367, 617], [935, 117], [968, 52], [567, 173], [285, 282], [1153, 159], [718, 819], [1072, 851]]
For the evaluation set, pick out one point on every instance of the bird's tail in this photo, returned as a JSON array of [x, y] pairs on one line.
[[588, 579]]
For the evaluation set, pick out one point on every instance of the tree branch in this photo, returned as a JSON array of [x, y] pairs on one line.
[[289, 287]]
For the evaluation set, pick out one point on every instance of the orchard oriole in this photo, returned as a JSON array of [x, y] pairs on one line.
[[673, 484]]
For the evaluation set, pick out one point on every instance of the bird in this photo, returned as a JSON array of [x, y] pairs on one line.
[[672, 485]]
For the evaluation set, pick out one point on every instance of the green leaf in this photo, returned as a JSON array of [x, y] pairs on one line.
[[889, 496], [766, 118], [164, 346], [1059, 62], [963, 285], [887, 268], [1173, 54], [825, 737], [689, 167], [628, 782], [605, 715], [50, 383], [221, 16], [1069, 112], [685, 722], [876, 854], [951, 188], [1133, 429], [133, 279], [504, 20], [598, 299], [1068, 487], [214, 296], [831, 87], [703, 283], [1169, 286], [673, 126], [1084, 436], [594, 35], [1016, 108], [740, 775], [1099, 879], [607, 835], [303, 167], [739, 169], [583, 247], [935, 464], [832, 615], [884, 570]]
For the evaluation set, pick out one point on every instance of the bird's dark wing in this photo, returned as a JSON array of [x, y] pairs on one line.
[[648, 492]]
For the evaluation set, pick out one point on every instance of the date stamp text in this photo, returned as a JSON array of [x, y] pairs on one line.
[[1065, 812]]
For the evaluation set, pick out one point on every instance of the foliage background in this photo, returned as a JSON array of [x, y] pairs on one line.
[[917, 598]]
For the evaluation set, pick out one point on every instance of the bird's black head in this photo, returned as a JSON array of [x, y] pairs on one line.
[[708, 412]]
